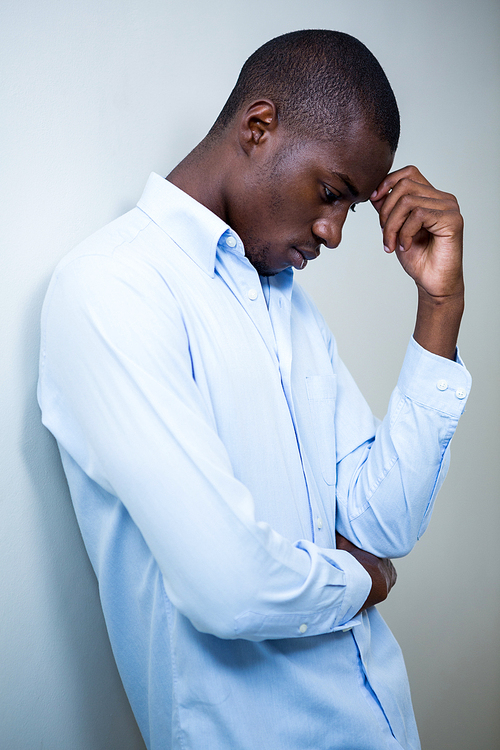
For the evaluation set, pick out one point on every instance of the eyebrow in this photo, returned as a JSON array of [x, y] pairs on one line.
[[345, 179]]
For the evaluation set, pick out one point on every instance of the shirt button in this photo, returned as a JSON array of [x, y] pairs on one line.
[[230, 241], [252, 294], [442, 385], [460, 393], [319, 523], [303, 628]]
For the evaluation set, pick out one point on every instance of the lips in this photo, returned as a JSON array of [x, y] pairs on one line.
[[299, 258]]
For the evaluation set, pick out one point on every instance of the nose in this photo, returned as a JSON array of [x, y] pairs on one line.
[[328, 231]]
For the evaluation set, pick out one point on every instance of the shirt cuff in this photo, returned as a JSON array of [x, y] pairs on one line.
[[358, 584], [439, 383]]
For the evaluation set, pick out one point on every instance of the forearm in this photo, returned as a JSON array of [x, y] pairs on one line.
[[386, 487]]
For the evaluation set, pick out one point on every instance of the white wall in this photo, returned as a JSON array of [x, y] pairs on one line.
[[98, 94]]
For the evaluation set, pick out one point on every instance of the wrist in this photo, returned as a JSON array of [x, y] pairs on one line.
[[453, 295], [438, 321]]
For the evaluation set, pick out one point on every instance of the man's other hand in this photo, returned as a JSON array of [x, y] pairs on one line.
[[382, 571]]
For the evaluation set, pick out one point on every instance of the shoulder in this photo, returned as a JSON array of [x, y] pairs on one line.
[[130, 252], [117, 280]]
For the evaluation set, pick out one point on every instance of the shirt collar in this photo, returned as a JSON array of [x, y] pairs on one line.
[[192, 226]]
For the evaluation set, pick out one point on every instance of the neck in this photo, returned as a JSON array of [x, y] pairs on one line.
[[201, 174]]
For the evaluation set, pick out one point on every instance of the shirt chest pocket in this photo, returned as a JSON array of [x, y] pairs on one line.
[[322, 393]]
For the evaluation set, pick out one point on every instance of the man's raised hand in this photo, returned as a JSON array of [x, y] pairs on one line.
[[425, 229]]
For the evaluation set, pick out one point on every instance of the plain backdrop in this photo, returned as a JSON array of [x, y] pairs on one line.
[[95, 96]]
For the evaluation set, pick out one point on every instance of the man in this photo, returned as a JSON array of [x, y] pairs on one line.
[[236, 496]]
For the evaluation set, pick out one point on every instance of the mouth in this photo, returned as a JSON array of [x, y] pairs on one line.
[[299, 258]]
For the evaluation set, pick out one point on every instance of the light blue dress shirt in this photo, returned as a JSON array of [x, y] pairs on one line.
[[213, 441]]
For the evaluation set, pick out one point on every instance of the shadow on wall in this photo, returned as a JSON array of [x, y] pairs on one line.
[[86, 693]]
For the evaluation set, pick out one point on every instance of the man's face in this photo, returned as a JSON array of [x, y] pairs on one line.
[[294, 197]]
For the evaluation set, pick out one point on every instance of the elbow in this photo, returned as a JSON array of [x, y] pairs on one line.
[[220, 614], [389, 544], [400, 550], [217, 625], [399, 544]]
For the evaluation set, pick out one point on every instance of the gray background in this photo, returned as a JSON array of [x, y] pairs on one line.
[[98, 94]]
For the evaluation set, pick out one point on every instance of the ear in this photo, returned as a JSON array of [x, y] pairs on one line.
[[257, 124]]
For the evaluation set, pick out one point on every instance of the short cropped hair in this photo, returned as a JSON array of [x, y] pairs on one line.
[[320, 82]]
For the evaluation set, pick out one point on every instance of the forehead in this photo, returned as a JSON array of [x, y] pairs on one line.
[[359, 158]]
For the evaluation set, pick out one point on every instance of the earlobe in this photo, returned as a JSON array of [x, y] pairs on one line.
[[257, 123]]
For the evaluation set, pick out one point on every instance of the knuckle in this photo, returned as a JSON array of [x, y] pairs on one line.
[[419, 211], [451, 201], [412, 170], [406, 200], [408, 184]]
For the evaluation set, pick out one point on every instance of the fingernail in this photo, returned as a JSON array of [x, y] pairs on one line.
[[401, 249], [387, 250], [372, 196]]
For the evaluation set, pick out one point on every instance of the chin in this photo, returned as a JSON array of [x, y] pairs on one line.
[[268, 272], [262, 267]]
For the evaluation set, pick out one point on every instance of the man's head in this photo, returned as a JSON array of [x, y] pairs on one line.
[[321, 82], [310, 129]]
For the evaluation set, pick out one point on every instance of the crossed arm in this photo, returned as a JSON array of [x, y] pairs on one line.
[[382, 571]]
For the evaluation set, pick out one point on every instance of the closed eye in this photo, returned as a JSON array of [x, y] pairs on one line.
[[330, 196]]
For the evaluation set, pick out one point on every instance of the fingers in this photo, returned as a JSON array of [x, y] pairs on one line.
[[407, 204], [391, 574], [412, 214], [389, 182]]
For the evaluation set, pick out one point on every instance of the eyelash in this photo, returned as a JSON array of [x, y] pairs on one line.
[[331, 197]]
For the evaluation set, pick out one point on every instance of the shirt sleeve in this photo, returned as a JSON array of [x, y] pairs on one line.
[[387, 484], [116, 390]]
